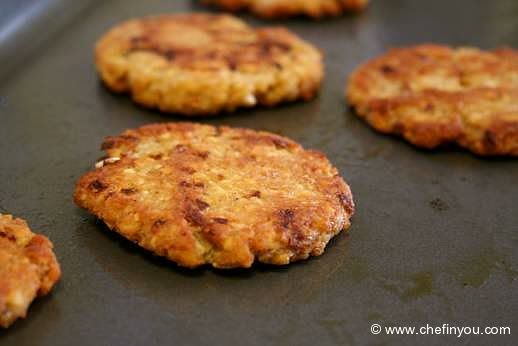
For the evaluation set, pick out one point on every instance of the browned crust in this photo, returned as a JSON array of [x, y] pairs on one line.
[[28, 268], [201, 64], [433, 95], [200, 194], [288, 8]]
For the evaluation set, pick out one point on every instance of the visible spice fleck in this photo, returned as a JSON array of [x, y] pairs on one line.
[[9, 237], [137, 40], [266, 47], [188, 170], [220, 220], [280, 143], [108, 144], [286, 217], [256, 193], [194, 216], [183, 183], [202, 205], [346, 202], [203, 154], [186, 184], [128, 191], [97, 185], [489, 140], [169, 54], [387, 69], [232, 63]]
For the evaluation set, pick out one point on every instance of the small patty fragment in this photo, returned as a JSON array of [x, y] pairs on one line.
[[28, 268], [223, 196], [202, 64], [434, 95]]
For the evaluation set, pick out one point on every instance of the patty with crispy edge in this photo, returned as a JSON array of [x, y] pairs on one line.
[[201, 64], [289, 8], [200, 194], [28, 268], [434, 95]]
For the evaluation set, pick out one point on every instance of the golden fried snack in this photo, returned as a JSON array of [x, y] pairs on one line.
[[199, 194], [289, 8], [201, 64], [28, 268], [434, 95]]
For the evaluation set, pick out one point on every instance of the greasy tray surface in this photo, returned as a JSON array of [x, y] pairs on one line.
[[433, 240]]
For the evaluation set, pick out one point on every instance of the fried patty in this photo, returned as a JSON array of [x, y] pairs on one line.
[[290, 8], [200, 194], [434, 95], [201, 64], [28, 268]]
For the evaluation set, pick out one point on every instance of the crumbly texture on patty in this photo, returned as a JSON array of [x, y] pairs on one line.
[[28, 268], [289, 8], [434, 95], [199, 194], [201, 64]]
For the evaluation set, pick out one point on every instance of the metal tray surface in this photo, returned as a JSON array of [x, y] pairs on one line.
[[433, 242]]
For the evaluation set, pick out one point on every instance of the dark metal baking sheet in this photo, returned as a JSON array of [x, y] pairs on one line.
[[434, 239]]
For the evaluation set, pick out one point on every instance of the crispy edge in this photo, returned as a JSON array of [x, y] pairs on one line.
[[296, 248]]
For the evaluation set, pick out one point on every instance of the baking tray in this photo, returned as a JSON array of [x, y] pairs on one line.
[[434, 239]]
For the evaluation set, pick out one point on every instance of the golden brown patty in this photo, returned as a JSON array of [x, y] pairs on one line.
[[434, 95], [28, 268], [289, 8], [202, 64], [200, 194]]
